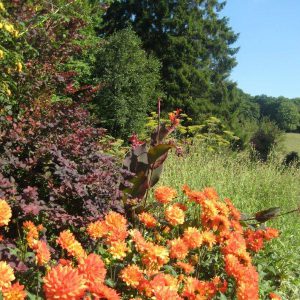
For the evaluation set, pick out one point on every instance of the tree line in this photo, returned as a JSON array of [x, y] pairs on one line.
[[118, 57]]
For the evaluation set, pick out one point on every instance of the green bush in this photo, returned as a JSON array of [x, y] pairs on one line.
[[129, 81], [264, 139]]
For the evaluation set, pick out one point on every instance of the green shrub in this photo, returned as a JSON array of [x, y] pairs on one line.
[[129, 81], [265, 139]]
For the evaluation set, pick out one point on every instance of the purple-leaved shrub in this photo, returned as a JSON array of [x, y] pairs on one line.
[[52, 166]]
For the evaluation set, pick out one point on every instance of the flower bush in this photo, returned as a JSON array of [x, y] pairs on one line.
[[192, 248]]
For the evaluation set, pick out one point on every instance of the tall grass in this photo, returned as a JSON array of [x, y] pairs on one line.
[[252, 186]]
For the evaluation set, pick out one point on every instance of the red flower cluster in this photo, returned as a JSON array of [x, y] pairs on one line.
[[255, 238]]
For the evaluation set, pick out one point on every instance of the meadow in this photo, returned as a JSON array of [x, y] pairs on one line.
[[252, 186], [292, 142]]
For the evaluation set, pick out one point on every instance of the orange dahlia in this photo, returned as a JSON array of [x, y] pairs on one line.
[[155, 257], [236, 226], [178, 249], [42, 253], [161, 280], [6, 275], [65, 262], [192, 237], [220, 223], [164, 194], [96, 229], [101, 291], [132, 275], [274, 296], [219, 285], [222, 208], [174, 215], [140, 243], [40, 227], [68, 242], [14, 292], [116, 226], [118, 249], [165, 293], [245, 276], [209, 209], [247, 290], [189, 288], [194, 196], [187, 268], [234, 244], [211, 193], [270, 233], [29, 226], [254, 239], [64, 282], [147, 219], [5, 213], [32, 234], [234, 212], [93, 269]]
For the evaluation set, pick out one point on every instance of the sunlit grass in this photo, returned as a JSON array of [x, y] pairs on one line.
[[292, 142]]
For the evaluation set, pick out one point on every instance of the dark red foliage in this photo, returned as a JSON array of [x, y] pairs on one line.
[[52, 165]]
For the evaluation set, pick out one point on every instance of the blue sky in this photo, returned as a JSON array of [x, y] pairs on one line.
[[269, 41]]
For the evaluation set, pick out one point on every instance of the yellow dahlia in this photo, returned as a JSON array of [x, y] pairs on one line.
[[14, 292], [96, 230], [68, 242], [5, 213], [118, 249], [174, 215], [209, 238], [6, 275]]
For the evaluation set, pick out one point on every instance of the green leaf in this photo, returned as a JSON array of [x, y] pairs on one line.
[[170, 270], [156, 152], [222, 297], [31, 296], [110, 282]]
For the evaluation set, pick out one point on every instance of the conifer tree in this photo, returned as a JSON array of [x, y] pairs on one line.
[[193, 42]]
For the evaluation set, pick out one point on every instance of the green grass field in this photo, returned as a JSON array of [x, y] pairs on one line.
[[252, 186], [292, 142]]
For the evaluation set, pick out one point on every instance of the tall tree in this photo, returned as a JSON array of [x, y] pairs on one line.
[[193, 42]]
